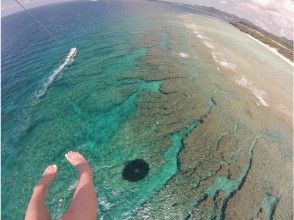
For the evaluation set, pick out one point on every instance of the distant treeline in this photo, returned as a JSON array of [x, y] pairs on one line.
[[283, 45]]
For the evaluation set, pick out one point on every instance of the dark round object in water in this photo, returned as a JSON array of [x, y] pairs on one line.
[[135, 170]]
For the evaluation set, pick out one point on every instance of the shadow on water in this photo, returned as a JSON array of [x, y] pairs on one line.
[[135, 170]]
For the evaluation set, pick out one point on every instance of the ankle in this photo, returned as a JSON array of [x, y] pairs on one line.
[[84, 168]]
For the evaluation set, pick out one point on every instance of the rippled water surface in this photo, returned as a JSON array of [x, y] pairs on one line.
[[206, 108]]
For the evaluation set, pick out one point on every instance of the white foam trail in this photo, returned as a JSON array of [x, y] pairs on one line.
[[258, 93], [184, 55], [68, 60]]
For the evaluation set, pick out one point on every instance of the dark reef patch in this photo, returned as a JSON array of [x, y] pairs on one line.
[[135, 170]]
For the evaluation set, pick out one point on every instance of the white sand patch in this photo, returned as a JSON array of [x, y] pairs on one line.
[[273, 50], [255, 91]]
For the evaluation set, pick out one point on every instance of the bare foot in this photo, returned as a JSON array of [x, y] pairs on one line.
[[77, 160], [47, 178]]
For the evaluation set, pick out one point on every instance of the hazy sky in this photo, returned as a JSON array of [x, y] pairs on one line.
[[275, 16]]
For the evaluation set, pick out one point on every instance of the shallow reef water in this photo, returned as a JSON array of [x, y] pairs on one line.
[[159, 113]]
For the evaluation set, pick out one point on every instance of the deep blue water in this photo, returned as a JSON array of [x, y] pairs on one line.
[[87, 106], [126, 80]]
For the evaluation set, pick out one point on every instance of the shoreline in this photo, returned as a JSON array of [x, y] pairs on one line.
[[244, 26], [273, 50]]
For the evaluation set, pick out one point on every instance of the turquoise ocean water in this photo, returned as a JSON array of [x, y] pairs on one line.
[[85, 106], [149, 81]]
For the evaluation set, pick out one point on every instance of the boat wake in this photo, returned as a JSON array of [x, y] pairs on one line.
[[68, 60]]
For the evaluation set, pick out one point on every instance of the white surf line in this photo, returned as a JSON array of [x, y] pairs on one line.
[[255, 91], [273, 50], [218, 58], [207, 44], [222, 61], [68, 60]]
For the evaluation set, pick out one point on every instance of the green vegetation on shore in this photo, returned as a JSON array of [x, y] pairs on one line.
[[283, 45]]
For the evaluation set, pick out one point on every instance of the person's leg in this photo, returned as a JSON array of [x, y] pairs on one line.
[[84, 202], [37, 209]]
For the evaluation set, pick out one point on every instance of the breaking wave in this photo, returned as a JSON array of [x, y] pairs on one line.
[[68, 60], [207, 44], [217, 57], [184, 55], [258, 93]]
